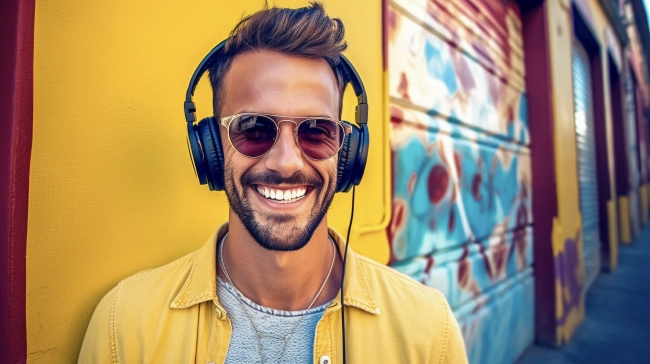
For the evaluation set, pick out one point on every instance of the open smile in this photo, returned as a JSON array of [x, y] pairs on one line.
[[279, 195]]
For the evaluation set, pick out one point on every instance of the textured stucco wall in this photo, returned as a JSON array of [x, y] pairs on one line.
[[112, 191]]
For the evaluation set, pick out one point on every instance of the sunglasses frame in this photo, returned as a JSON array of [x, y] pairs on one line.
[[277, 119]]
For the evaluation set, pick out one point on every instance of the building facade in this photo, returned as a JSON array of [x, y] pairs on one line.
[[518, 136], [509, 155]]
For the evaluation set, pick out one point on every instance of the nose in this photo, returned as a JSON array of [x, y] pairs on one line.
[[285, 157]]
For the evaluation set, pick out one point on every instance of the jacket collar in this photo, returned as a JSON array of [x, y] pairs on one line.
[[201, 283]]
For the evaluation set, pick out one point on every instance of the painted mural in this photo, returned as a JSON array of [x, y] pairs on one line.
[[568, 263], [462, 219]]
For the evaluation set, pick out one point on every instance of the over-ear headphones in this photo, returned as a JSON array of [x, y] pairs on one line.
[[204, 140]]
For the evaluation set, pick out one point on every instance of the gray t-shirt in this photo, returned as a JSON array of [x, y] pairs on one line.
[[274, 325]]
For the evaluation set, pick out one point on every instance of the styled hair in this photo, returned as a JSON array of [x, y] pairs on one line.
[[305, 32]]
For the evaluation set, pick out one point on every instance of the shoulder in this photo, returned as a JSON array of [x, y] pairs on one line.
[[129, 306], [150, 288], [176, 270], [381, 282], [165, 277], [418, 312], [384, 279]]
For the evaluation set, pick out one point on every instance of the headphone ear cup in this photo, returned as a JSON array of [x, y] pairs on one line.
[[352, 158], [196, 153], [347, 157], [362, 155], [212, 152]]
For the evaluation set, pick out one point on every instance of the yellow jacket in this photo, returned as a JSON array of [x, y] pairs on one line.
[[172, 314]]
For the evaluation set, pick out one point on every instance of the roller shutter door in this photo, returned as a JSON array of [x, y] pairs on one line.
[[586, 153]]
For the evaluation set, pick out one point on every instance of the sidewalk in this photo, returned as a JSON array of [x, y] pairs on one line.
[[616, 328]]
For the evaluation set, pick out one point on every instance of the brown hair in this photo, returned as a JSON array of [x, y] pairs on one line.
[[306, 32]]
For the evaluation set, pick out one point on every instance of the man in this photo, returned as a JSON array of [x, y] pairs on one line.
[[265, 288]]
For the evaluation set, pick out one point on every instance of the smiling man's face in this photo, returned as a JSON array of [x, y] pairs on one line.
[[274, 83]]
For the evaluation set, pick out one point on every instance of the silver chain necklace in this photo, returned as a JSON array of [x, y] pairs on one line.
[[258, 333]]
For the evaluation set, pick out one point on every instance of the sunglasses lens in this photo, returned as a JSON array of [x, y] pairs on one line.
[[320, 138], [253, 135]]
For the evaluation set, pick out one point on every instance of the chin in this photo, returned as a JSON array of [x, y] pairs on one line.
[[282, 236]]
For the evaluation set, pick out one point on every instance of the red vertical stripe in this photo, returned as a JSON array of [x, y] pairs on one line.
[[540, 119], [384, 35], [16, 100]]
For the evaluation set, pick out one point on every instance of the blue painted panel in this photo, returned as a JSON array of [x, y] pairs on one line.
[[462, 216]]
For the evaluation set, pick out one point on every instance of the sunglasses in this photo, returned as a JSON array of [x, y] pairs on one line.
[[253, 134]]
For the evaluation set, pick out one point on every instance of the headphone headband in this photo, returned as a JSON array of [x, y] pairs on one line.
[[361, 112]]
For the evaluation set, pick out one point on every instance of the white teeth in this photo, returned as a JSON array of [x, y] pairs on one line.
[[282, 196]]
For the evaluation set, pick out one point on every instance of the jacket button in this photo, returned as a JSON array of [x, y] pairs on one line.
[[325, 360]]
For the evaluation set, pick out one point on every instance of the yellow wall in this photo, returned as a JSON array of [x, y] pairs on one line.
[[560, 38], [624, 214], [609, 46], [112, 190], [567, 226]]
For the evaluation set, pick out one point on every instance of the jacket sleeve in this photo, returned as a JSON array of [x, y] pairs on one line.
[[99, 340], [453, 350]]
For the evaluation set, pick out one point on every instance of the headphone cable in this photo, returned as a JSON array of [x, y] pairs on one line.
[[345, 256]]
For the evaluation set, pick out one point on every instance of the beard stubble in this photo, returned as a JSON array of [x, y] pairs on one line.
[[266, 233]]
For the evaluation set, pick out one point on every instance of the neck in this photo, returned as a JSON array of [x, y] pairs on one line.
[[283, 280]]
